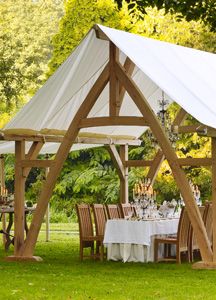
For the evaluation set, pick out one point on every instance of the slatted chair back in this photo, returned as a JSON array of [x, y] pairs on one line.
[[183, 231], [100, 218], [85, 220], [209, 222], [113, 211], [127, 210], [192, 238]]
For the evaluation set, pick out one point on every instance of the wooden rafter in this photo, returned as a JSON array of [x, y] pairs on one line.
[[178, 173]]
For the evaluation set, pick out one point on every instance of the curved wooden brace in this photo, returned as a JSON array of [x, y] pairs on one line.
[[172, 159], [117, 161]]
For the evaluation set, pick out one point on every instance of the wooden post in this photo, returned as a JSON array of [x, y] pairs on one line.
[[19, 198], [114, 84], [2, 184], [48, 208], [124, 182], [213, 140], [181, 180]]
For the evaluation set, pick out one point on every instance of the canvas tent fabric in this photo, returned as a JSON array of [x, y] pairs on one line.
[[187, 76]]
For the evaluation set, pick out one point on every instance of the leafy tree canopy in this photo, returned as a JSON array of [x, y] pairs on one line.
[[26, 28], [204, 10]]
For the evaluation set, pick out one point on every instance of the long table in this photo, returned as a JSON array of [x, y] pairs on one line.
[[134, 240]]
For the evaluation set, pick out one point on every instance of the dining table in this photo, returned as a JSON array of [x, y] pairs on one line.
[[133, 240]]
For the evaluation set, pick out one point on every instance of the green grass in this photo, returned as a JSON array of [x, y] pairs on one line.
[[62, 276]]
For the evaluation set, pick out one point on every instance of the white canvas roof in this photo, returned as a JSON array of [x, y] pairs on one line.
[[187, 76]]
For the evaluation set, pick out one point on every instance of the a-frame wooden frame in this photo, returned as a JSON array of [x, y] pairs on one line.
[[120, 80]]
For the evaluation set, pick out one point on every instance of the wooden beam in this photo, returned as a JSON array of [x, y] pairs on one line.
[[124, 198], [113, 121], [180, 177], [138, 163], [180, 117], [2, 184], [211, 132], [213, 140], [114, 83], [188, 161], [36, 163], [155, 166], [19, 198], [100, 34], [77, 140], [32, 138], [61, 155], [117, 161], [129, 68], [186, 128], [32, 154], [108, 141]]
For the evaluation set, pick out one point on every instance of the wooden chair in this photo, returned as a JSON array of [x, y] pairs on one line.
[[100, 218], [181, 241], [127, 210], [113, 211], [194, 248], [87, 237]]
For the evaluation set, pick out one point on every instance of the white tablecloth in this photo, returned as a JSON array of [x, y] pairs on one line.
[[134, 240]]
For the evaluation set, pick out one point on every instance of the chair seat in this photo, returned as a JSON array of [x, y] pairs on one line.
[[93, 238], [166, 240]]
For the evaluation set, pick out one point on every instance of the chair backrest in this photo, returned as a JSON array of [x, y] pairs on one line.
[[202, 210], [126, 210], [113, 211], [85, 220], [183, 229], [209, 222], [100, 218]]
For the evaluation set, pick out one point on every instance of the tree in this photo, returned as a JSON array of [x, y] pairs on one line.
[[204, 10], [25, 34], [80, 16]]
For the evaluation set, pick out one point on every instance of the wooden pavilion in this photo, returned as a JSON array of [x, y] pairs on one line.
[[117, 78]]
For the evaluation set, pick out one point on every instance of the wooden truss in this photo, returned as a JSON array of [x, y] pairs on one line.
[[119, 78]]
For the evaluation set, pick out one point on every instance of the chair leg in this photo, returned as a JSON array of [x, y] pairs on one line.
[[92, 251], [155, 250], [102, 252], [81, 251], [178, 255]]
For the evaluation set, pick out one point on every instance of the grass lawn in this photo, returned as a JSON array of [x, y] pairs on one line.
[[62, 276]]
